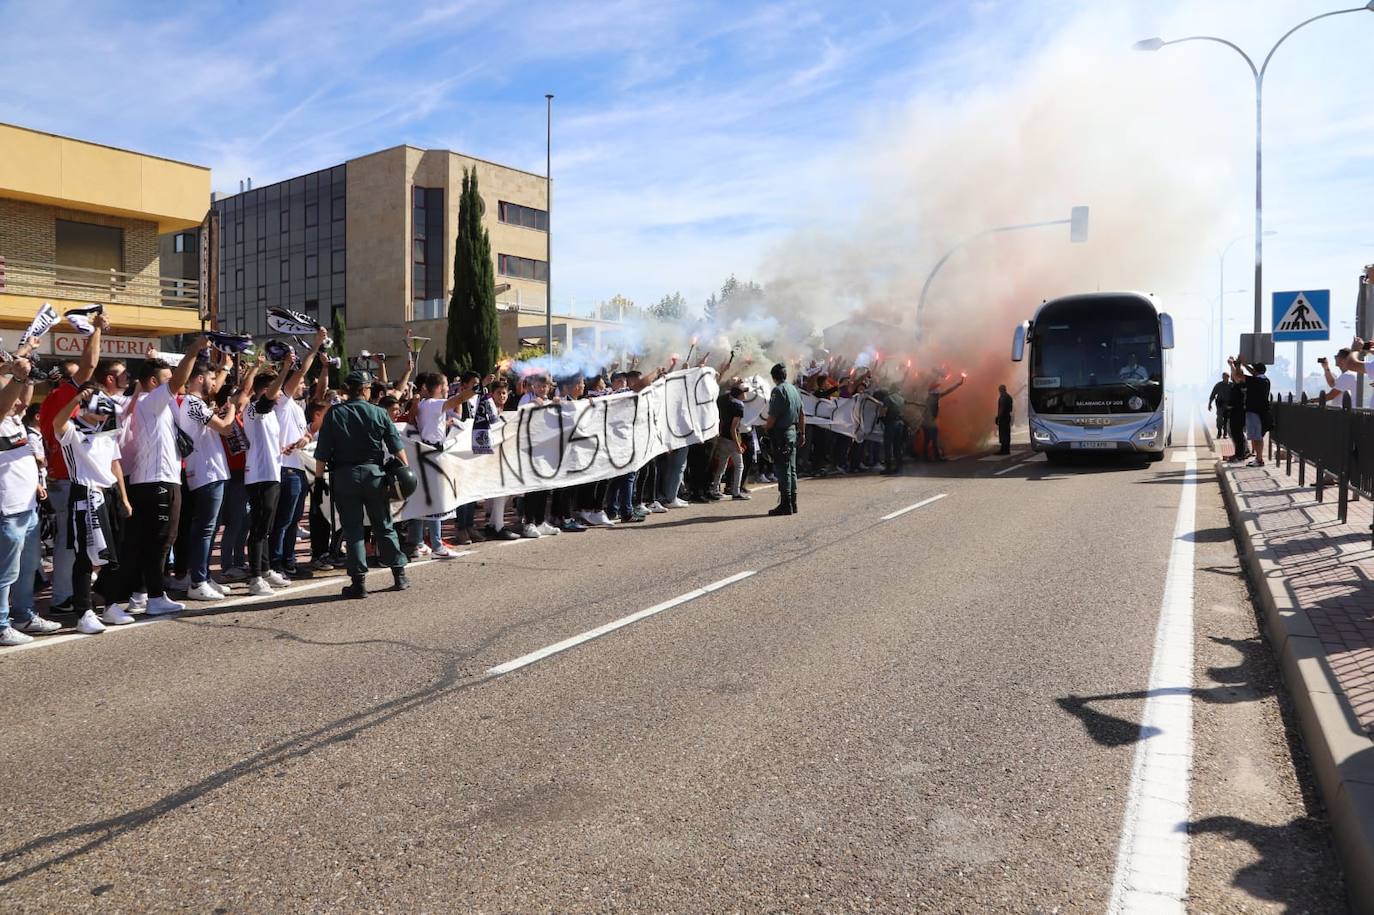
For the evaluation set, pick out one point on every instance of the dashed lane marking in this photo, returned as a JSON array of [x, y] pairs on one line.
[[911, 508], [528, 659]]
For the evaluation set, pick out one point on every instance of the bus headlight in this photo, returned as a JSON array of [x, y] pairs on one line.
[[1041, 435], [1148, 436]]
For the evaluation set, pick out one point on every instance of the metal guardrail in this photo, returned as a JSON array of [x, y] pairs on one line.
[[1338, 442], [59, 281]]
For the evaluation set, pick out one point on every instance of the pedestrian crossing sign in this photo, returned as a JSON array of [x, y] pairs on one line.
[[1302, 315]]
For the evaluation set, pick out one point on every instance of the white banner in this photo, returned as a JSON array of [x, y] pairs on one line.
[[852, 417], [561, 444]]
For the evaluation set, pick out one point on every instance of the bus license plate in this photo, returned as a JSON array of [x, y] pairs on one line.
[[1095, 445]]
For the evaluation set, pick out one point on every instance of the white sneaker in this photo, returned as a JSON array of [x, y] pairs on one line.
[[115, 615], [138, 601], [423, 550], [9, 637], [530, 532], [678, 503], [258, 587], [548, 530], [89, 624], [600, 519], [177, 584], [443, 552], [222, 592], [203, 591], [276, 579], [656, 507], [161, 606], [39, 626]]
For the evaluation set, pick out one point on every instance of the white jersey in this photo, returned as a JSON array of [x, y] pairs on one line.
[[18, 469], [293, 425], [431, 420], [151, 455], [90, 458], [207, 463], [264, 445]]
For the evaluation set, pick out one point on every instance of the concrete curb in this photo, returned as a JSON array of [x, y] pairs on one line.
[[1342, 755]]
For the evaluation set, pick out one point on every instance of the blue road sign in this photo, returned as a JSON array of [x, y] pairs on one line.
[[1302, 315]]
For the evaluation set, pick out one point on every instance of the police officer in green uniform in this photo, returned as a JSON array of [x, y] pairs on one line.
[[354, 441], [786, 427]]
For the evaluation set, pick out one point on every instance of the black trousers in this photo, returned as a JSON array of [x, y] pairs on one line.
[[1004, 434], [646, 482], [698, 471], [262, 510], [1237, 421], [1223, 414], [535, 507], [151, 530], [320, 526]]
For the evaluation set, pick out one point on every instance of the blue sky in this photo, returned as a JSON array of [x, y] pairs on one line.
[[690, 139]]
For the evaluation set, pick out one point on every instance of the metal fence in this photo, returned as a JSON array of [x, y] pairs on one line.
[[1337, 442], [44, 280]]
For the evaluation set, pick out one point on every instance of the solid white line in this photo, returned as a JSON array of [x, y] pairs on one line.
[[518, 542], [1152, 859], [196, 608], [911, 508], [527, 659]]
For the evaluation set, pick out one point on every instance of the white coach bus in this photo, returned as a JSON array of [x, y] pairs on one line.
[[1097, 374]]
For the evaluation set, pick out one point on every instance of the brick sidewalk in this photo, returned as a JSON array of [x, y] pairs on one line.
[[1313, 578], [1327, 568]]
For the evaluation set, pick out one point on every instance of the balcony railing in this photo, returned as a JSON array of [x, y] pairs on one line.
[[59, 281]]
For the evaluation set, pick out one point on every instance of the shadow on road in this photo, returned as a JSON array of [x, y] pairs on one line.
[[1237, 686], [1277, 875]]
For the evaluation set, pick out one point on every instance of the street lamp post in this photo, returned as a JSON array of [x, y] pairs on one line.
[[548, 220], [1221, 292], [1078, 233], [1154, 44]]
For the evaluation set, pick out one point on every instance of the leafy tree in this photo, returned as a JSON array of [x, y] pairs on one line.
[[339, 332], [473, 339], [670, 308], [712, 307]]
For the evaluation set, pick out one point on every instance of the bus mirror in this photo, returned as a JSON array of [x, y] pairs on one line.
[[1018, 343], [1166, 331]]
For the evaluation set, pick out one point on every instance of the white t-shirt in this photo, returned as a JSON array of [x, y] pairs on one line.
[[1346, 382], [207, 464], [89, 457], [18, 470], [152, 443], [264, 445], [291, 416], [431, 420]]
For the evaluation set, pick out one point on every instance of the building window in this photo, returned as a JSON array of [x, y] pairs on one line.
[[427, 243], [180, 244], [522, 268], [517, 215], [238, 278], [285, 221], [285, 270], [86, 246], [336, 209], [262, 245], [262, 293], [312, 265], [336, 261], [312, 214], [238, 232]]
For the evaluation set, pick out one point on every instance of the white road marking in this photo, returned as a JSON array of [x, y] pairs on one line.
[[1039, 456], [197, 608], [518, 542], [911, 508], [1152, 859], [541, 654]]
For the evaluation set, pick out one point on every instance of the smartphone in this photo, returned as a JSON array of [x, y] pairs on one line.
[[1322, 360]]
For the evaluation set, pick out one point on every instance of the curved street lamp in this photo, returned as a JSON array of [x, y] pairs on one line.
[[1154, 44]]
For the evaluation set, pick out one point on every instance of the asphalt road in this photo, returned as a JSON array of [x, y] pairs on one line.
[[934, 712]]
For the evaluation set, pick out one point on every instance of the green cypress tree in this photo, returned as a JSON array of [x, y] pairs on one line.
[[339, 333], [473, 338]]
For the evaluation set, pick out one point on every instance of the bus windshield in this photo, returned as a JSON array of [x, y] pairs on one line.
[[1100, 360]]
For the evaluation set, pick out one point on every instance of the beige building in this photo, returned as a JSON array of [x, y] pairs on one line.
[[371, 241], [79, 224]]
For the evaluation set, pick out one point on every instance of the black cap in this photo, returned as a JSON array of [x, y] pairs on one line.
[[357, 380]]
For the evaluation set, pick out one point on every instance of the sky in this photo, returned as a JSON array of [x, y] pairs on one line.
[[692, 141]]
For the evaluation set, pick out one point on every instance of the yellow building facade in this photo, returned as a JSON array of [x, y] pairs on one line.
[[79, 224]]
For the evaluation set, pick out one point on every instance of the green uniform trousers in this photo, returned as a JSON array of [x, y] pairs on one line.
[[359, 488], [785, 468]]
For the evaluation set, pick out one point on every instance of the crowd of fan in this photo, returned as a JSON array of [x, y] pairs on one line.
[[129, 483]]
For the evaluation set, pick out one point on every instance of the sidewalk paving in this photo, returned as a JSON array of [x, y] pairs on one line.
[[1314, 580]]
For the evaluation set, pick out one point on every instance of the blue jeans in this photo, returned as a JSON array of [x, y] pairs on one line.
[[416, 528], [234, 516], [620, 501], [204, 510], [18, 536], [286, 529], [674, 463]]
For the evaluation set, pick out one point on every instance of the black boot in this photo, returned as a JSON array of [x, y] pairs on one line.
[[782, 508], [357, 590], [792, 504], [399, 576]]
